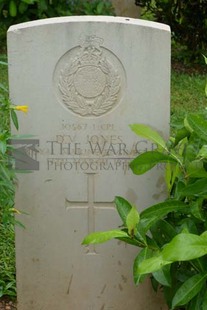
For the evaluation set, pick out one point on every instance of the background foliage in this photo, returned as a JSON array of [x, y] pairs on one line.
[[18, 11], [7, 189], [188, 22]]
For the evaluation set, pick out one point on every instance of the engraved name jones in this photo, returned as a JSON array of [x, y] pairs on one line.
[[97, 152]]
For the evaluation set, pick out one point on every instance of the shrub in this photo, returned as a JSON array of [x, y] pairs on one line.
[[7, 190], [17, 11], [187, 20], [172, 234]]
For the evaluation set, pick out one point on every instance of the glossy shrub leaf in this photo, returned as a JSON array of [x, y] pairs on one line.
[[132, 220], [140, 232], [103, 236], [172, 171], [195, 303], [181, 134], [14, 119], [163, 232], [196, 188], [196, 209], [184, 247], [148, 160], [163, 208], [163, 276], [143, 254], [204, 302], [123, 207], [145, 223], [148, 133], [131, 241], [188, 290], [152, 264], [203, 152], [199, 125], [195, 169]]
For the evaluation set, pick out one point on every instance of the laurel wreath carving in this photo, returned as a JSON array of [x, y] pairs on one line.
[[97, 105]]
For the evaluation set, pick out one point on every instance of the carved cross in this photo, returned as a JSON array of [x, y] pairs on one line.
[[91, 205]]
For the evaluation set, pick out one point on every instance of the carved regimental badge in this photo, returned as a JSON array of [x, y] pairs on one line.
[[90, 79]]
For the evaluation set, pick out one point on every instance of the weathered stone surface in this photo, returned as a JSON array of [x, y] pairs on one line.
[[85, 79], [126, 8]]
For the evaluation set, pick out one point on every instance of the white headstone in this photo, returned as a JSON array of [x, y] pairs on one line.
[[85, 79]]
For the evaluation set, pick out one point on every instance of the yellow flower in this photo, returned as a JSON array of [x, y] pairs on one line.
[[23, 108]]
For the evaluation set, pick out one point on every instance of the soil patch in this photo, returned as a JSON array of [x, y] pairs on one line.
[[7, 304]]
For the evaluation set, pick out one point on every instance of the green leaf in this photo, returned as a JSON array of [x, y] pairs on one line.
[[132, 220], [143, 254], [140, 232], [100, 7], [148, 160], [3, 147], [161, 209], [206, 90], [205, 58], [103, 236], [181, 134], [123, 207], [199, 125], [3, 63], [163, 232], [22, 7], [14, 119], [188, 290], [28, 1], [184, 247], [12, 8], [204, 302], [196, 209], [152, 264], [203, 152], [172, 171], [131, 241], [195, 303], [195, 169], [145, 224], [3, 87], [197, 188], [148, 133], [163, 276]]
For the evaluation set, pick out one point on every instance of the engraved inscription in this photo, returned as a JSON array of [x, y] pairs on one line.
[[91, 205], [89, 79]]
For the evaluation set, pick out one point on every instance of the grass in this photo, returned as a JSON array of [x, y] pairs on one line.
[[7, 247], [7, 261], [187, 94]]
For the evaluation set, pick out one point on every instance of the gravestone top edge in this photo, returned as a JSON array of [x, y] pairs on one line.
[[79, 19]]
